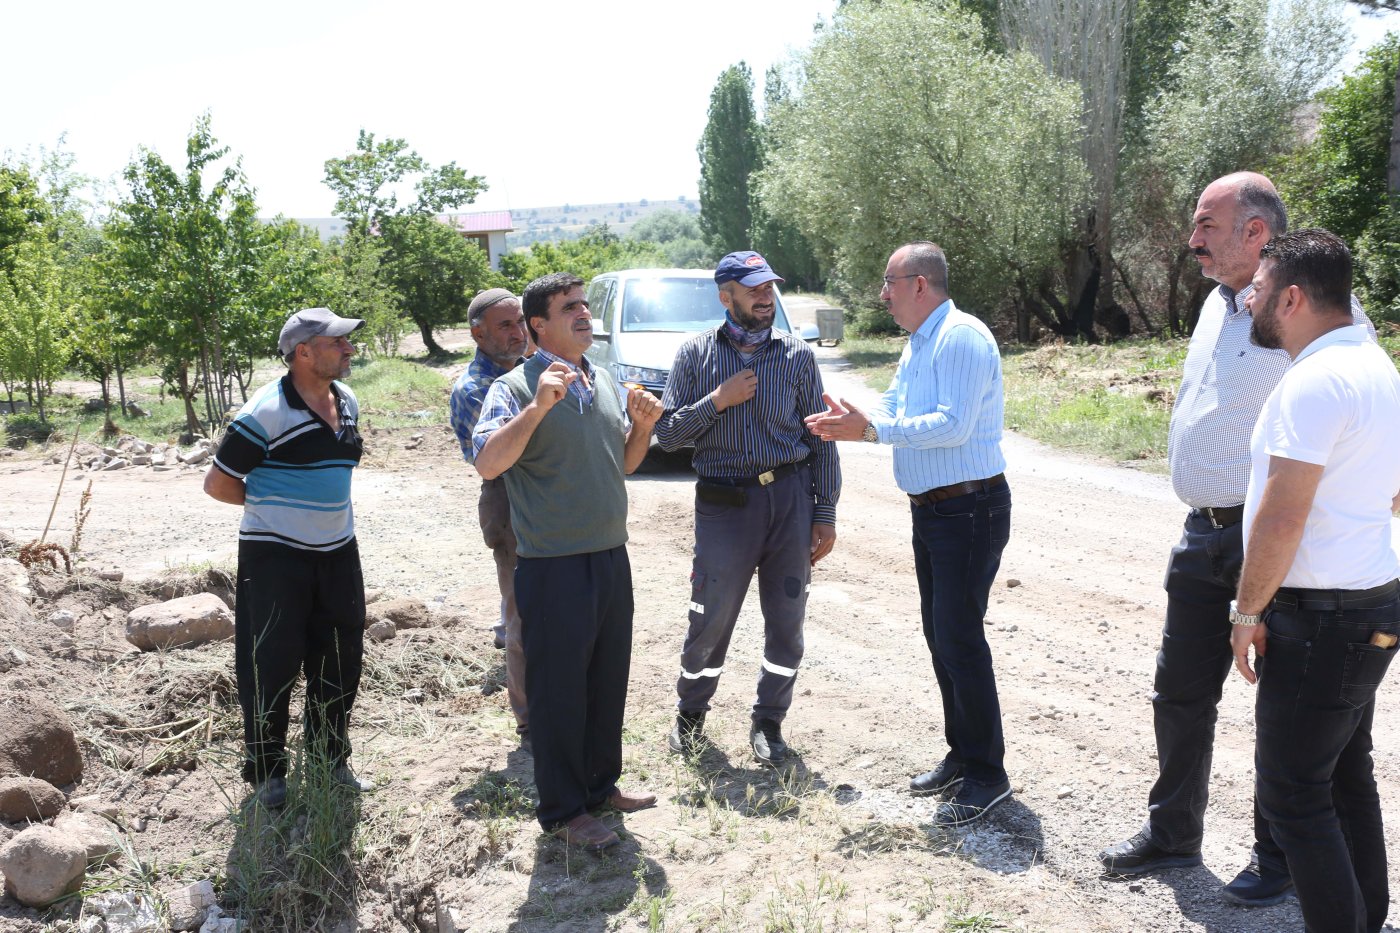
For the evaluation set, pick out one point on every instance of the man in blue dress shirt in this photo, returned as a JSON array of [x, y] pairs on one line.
[[943, 415]]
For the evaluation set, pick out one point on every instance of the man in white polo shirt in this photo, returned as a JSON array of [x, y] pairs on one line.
[[1320, 575]]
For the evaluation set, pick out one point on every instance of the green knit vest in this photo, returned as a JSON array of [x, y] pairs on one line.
[[567, 494]]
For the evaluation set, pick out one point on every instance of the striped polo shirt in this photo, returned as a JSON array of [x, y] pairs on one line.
[[296, 469]]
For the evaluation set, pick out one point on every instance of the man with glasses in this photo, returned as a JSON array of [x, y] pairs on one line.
[[943, 415], [765, 499], [286, 459], [563, 433], [498, 327]]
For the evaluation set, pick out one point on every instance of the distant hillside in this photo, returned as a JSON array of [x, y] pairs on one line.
[[561, 222]]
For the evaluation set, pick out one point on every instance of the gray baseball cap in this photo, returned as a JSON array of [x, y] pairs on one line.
[[314, 322]]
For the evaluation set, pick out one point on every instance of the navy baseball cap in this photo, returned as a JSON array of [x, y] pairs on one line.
[[747, 268]]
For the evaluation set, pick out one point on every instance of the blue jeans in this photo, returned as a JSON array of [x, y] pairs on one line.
[[1192, 664], [1313, 714], [957, 551]]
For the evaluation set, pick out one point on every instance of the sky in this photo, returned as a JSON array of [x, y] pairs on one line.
[[553, 102]]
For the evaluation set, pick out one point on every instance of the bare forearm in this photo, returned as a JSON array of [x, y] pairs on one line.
[[1273, 542], [507, 443], [221, 487]]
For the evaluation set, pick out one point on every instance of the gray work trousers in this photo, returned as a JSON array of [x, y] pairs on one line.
[[494, 511], [771, 533]]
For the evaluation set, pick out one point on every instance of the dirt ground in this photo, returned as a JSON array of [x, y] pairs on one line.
[[837, 844]]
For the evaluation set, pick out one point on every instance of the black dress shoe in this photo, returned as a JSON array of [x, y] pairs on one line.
[[1140, 854], [766, 740], [1255, 887], [945, 777], [971, 802]]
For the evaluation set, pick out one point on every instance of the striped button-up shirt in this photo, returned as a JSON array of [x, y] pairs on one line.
[[1224, 384], [500, 405], [755, 436], [943, 411]]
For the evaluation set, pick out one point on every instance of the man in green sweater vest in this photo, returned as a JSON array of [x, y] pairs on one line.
[[562, 434]]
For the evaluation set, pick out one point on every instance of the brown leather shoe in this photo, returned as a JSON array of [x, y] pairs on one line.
[[624, 802], [586, 832]]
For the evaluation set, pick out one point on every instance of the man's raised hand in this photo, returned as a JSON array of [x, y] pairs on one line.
[[841, 421], [735, 390], [643, 408], [552, 385]]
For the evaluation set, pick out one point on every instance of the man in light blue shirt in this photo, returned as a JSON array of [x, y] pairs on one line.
[[943, 415]]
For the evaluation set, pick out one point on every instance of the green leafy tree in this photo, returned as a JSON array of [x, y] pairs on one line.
[[678, 234], [598, 250], [434, 279], [187, 271], [1243, 69], [729, 154], [357, 288], [23, 210], [775, 235], [33, 346], [1339, 180], [907, 127]]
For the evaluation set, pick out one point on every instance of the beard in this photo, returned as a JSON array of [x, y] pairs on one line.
[[1263, 327]]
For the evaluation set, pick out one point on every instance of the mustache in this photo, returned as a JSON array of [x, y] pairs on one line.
[[1200, 251]]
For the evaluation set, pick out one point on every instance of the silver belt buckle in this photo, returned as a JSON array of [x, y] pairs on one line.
[[765, 478]]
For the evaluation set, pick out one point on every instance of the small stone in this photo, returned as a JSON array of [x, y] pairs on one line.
[[184, 622], [41, 865], [29, 798], [12, 658], [92, 803], [63, 619], [116, 463], [111, 575], [1063, 792], [141, 460], [1135, 887], [98, 837], [1012, 583], [381, 630], [194, 456], [125, 912], [415, 695], [189, 906]]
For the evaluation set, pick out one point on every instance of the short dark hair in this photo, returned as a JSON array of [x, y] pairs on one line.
[[923, 257], [1253, 199], [535, 299], [1315, 260]]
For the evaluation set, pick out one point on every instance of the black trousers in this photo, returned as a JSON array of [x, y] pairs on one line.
[[1315, 708], [297, 611], [576, 624], [1194, 660]]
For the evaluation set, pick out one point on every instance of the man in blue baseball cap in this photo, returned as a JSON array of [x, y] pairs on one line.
[[765, 499]]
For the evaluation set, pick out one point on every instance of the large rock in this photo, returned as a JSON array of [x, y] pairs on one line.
[[37, 740], [180, 623], [98, 837], [28, 798], [41, 865], [404, 613]]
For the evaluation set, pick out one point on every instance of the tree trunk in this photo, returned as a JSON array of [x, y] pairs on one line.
[[121, 385], [187, 395], [108, 426], [428, 342]]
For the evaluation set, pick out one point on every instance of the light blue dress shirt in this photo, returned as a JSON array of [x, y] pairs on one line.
[[943, 411]]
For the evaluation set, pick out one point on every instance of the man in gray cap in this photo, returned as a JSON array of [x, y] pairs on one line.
[[287, 459], [498, 327]]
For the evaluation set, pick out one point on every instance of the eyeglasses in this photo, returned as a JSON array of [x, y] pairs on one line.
[[889, 280]]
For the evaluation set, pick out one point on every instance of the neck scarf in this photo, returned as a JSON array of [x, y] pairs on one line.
[[746, 340]]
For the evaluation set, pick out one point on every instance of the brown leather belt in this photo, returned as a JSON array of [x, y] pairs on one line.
[[939, 493], [1223, 517]]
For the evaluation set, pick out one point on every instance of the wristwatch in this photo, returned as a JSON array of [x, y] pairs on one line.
[[1242, 618], [870, 435]]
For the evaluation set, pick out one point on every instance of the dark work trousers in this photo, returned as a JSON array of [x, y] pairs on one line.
[[493, 509], [1313, 715], [576, 619], [957, 551], [1192, 664], [770, 533], [297, 612]]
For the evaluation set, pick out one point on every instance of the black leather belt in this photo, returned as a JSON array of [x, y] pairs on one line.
[[762, 479], [939, 493], [1223, 517], [1330, 600]]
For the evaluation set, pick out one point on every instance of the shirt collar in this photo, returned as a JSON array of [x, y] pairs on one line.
[[1352, 333], [548, 358], [293, 397], [934, 319], [483, 367], [1234, 300]]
